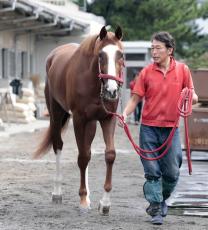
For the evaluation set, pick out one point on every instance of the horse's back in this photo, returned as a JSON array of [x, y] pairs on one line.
[[60, 55]]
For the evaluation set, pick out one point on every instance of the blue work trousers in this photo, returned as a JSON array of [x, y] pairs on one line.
[[161, 175]]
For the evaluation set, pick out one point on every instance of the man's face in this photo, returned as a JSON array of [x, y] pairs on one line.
[[160, 53]]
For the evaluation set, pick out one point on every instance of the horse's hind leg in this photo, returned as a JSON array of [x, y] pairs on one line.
[[57, 192], [108, 127], [84, 133], [58, 118]]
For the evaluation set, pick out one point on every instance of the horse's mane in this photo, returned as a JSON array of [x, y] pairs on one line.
[[93, 44], [88, 45]]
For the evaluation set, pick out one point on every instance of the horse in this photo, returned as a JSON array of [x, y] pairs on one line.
[[83, 82]]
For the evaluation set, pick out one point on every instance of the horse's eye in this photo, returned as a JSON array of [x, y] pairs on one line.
[[120, 55], [101, 55]]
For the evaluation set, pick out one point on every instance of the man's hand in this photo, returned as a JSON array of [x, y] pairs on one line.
[[194, 98], [120, 123], [130, 107]]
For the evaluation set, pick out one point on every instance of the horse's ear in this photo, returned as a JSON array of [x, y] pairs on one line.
[[103, 33], [118, 33]]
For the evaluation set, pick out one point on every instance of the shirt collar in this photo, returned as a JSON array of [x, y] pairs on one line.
[[172, 65]]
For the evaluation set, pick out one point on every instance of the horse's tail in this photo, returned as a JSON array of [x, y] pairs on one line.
[[47, 140], [45, 145]]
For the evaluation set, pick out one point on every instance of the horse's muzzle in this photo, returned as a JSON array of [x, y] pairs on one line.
[[105, 93], [109, 95]]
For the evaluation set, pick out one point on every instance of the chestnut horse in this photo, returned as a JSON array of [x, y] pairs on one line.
[[83, 80]]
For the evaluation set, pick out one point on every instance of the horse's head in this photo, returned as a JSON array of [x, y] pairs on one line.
[[110, 63]]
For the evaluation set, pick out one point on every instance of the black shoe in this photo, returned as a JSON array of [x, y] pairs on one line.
[[154, 209]]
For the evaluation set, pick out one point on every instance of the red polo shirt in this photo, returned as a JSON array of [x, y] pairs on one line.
[[161, 92]]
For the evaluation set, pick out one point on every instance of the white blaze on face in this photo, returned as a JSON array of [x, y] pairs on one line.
[[110, 51]]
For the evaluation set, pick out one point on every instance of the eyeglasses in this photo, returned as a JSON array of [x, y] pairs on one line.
[[157, 48]]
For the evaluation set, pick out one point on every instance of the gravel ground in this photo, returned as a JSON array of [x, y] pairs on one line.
[[26, 187]]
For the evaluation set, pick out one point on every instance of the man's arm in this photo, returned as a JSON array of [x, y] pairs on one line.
[[194, 98], [131, 105]]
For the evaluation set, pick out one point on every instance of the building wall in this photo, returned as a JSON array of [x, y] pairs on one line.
[[24, 55], [6, 40], [16, 52], [44, 47], [137, 56]]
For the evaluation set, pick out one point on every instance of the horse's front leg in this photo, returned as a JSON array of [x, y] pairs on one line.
[[84, 133], [108, 127]]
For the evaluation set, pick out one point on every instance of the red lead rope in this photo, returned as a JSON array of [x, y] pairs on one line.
[[184, 110]]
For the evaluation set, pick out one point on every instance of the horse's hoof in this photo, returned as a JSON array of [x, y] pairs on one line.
[[56, 199], [103, 209]]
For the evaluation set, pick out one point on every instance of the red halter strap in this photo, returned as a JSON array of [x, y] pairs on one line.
[[107, 76]]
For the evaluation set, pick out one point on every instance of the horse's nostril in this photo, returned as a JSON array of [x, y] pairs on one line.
[[110, 93], [113, 94]]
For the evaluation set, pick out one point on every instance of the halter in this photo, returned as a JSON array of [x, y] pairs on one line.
[[118, 79]]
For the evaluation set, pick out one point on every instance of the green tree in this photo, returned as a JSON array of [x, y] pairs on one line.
[[139, 19], [80, 3]]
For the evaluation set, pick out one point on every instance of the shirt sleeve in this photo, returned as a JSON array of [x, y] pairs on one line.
[[132, 84], [139, 87], [188, 82]]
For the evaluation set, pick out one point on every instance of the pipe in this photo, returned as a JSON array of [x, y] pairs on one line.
[[70, 28], [11, 8], [54, 23], [23, 19], [30, 18]]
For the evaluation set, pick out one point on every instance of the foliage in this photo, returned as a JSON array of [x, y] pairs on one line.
[[139, 19], [199, 61], [80, 3]]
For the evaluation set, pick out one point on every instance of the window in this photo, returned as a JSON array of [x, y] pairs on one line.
[[12, 63], [24, 64], [1, 62], [5, 60], [31, 64], [135, 57], [131, 73]]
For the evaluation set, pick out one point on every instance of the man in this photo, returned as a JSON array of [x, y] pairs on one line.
[[160, 84]]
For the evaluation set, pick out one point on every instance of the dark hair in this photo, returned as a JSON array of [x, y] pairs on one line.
[[166, 38]]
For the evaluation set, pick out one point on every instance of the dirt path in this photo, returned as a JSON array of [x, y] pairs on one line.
[[26, 187]]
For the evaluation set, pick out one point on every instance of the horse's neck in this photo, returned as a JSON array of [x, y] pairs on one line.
[[94, 65], [87, 63]]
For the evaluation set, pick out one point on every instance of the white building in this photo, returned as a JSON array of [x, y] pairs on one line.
[[137, 55], [30, 29]]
